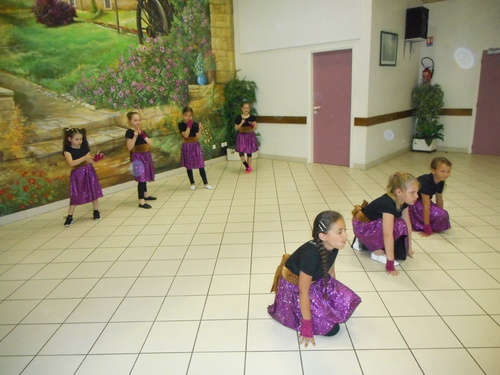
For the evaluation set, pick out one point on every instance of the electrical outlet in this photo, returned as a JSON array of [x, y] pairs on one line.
[[213, 147], [223, 144]]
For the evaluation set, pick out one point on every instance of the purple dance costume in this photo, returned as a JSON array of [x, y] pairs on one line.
[[84, 186], [370, 231], [439, 218], [191, 154], [246, 140], [331, 302], [142, 162]]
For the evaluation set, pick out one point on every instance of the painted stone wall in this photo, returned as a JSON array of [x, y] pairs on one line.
[[33, 172]]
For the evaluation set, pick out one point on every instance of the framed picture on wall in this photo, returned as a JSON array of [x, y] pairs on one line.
[[388, 48]]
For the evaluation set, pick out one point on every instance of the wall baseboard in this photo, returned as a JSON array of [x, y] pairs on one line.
[[461, 150], [380, 160], [107, 190], [293, 159]]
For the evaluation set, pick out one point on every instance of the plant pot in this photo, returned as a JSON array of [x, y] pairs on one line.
[[201, 79], [211, 76], [232, 155], [421, 145]]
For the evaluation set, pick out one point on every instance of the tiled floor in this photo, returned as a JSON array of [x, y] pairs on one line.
[[183, 288]]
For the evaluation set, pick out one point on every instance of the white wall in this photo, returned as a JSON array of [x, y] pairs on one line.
[[454, 24], [284, 74]]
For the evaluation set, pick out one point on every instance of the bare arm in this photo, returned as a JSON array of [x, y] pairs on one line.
[[74, 163], [131, 141], [439, 200], [238, 126], [406, 218], [426, 202], [305, 282], [388, 228], [200, 129]]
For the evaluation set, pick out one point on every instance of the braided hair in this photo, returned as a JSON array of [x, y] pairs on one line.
[[322, 224]]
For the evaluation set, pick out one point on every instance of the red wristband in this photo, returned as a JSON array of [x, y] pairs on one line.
[[389, 265], [190, 124], [306, 328], [427, 229], [98, 156], [142, 134]]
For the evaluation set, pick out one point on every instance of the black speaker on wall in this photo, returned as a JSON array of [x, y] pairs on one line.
[[416, 23]]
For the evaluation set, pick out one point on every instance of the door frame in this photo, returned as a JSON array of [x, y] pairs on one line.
[[351, 47]]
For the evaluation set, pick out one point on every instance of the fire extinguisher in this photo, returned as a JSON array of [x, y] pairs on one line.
[[428, 71]]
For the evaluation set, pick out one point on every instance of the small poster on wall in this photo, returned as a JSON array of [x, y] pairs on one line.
[[388, 48]]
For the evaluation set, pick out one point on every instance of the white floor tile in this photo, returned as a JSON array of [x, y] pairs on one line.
[[184, 288]]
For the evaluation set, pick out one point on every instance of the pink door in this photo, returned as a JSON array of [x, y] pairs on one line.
[[332, 73], [487, 126]]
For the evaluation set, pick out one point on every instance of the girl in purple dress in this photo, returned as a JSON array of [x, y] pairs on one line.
[[309, 299], [138, 143], [191, 154], [383, 226], [246, 140], [426, 216], [84, 186]]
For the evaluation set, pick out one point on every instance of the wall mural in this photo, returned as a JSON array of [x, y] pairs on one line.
[[89, 70]]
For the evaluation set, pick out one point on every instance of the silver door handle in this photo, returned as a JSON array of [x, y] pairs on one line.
[[317, 107]]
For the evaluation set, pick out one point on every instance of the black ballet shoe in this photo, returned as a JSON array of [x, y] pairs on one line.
[[335, 329], [145, 205], [150, 198]]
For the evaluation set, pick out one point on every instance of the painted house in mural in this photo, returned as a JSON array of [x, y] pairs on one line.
[[103, 4], [36, 173]]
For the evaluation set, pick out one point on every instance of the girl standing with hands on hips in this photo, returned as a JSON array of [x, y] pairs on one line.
[[309, 299], [426, 216], [84, 186], [139, 144], [191, 154], [383, 226], [246, 140]]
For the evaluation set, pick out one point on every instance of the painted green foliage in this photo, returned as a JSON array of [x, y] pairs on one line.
[[104, 68]]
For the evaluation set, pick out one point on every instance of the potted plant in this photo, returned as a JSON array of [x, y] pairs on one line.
[[236, 91], [428, 102], [210, 62], [199, 69]]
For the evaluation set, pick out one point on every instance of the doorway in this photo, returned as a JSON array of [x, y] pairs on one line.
[[487, 126], [332, 80]]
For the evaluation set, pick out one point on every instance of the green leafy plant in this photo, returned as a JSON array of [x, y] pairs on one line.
[[32, 188], [428, 101], [199, 65], [236, 91], [210, 60]]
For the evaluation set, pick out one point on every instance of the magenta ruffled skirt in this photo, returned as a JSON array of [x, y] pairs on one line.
[[371, 234], [440, 220], [142, 166], [337, 307], [247, 143], [192, 156], [84, 186]]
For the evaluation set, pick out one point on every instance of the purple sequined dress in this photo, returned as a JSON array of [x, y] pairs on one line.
[[192, 156], [440, 220], [142, 166], [327, 310], [247, 143], [371, 233], [84, 186]]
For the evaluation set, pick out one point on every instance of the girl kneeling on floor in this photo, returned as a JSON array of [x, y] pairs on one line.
[[383, 226], [309, 298]]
